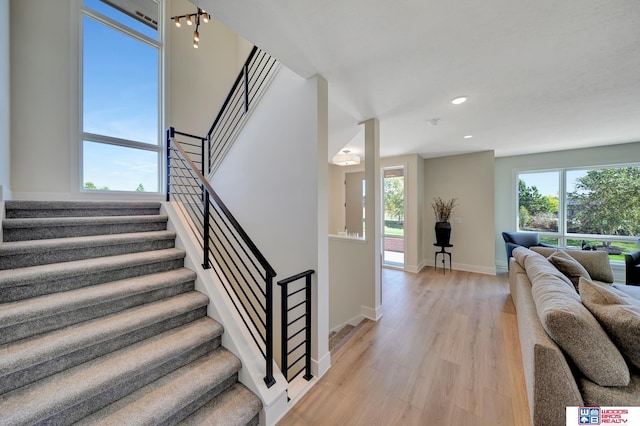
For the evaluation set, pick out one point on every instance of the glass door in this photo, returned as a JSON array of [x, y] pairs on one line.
[[393, 213]]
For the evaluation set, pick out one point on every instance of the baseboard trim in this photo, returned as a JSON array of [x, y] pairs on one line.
[[485, 270], [415, 268], [475, 268], [374, 314], [321, 366]]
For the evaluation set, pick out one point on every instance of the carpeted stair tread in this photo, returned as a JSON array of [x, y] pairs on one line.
[[174, 396], [77, 343], [64, 275], [20, 254], [26, 208], [76, 392], [100, 322], [235, 406], [43, 246], [37, 315], [64, 227]]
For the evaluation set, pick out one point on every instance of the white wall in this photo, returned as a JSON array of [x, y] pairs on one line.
[[5, 134], [355, 289], [40, 97], [351, 292], [45, 90], [507, 167], [275, 185], [470, 179], [200, 79]]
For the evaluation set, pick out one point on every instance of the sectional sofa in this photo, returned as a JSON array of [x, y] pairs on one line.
[[579, 333]]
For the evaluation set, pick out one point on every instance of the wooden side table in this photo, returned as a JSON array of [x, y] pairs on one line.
[[442, 252]]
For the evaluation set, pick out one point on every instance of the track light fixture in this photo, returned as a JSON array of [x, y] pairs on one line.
[[190, 18]]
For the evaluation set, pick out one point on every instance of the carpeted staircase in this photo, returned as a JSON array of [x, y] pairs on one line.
[[100, 323]]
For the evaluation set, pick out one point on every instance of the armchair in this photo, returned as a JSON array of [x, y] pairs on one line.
[[632, 264], [526, 239]]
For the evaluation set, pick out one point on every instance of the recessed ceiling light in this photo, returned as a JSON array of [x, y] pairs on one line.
[[467, 136], [459, 100]]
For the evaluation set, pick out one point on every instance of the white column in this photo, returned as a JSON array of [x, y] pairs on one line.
[[373, 209]]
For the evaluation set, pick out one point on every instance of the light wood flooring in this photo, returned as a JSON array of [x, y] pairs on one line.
[[445, 352]]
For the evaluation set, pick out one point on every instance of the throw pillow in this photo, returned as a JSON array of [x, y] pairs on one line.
[[595, 262], [570, 267], [539, 267], [521, 253], [619, 315], [570, 324]]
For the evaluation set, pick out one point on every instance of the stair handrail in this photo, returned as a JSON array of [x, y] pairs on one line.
[[236, 83], [245, 237], [234, 108], [207, 195]]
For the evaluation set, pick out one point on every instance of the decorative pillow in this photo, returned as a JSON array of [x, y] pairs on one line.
[[619, 315], [520, 253], [538, 269], [570, 324], [595, 262], [570, 267]]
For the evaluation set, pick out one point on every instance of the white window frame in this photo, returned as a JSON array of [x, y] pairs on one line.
[[562, 235], [91, 137]]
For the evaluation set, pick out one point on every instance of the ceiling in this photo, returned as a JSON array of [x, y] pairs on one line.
[[541, 76]]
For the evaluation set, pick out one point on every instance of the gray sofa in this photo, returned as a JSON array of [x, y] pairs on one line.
[[569, 355]]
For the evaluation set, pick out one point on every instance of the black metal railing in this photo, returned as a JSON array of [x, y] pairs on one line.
[[246, 275], [296, 325], [250, 81]]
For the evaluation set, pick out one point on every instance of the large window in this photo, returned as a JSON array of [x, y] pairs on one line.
[[121, 96], [590, 208]]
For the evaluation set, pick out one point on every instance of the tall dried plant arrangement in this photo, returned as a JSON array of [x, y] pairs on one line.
[[442, 209]]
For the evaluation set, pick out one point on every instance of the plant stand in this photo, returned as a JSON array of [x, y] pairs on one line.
[[442, 252]]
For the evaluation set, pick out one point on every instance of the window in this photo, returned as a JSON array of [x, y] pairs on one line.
[[590, 208], [121, 126]]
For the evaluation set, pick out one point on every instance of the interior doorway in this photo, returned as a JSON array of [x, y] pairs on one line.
[[393, 214], [354, 203]]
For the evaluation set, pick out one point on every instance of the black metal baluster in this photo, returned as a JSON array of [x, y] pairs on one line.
[[308, 375]]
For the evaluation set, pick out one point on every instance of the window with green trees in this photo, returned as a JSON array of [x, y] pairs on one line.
[[591, 208]]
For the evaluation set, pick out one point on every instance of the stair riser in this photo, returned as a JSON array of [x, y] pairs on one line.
[[45, 233], [71, 415], [237, 403], [46, 286], [26, 329], [202, 400], [23, 260], [31, 374], [24, 211]]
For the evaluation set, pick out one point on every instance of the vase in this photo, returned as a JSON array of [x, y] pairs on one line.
[[443, 233]]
